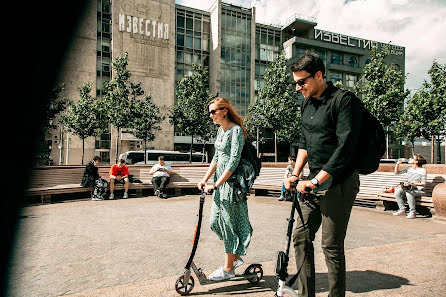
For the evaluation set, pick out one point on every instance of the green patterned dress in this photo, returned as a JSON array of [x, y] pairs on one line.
[[229, 220]]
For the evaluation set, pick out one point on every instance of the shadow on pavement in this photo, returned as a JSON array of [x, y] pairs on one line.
[[363, 281]]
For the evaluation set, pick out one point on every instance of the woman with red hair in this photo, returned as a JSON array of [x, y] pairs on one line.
[[229, 215]]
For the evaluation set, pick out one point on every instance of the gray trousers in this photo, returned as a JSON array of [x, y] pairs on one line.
[[411, 198], [332, 210]]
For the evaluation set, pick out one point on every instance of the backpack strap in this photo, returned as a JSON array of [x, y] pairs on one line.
[[339, 94]]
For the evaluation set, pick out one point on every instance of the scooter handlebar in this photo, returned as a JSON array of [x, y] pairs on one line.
[[293, 186]]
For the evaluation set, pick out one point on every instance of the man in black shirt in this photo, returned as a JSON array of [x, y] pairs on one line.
[[330, 133]]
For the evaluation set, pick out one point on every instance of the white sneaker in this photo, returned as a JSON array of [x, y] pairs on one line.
[[239, 262], [112, 196], [126, 195], [96, 199], [221, 274], [157, 193]]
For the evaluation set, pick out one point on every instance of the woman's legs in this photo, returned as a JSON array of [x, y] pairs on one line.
[[229, 261], [399, 194]]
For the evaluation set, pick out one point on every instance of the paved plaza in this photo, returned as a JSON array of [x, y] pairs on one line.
[[139, 246]]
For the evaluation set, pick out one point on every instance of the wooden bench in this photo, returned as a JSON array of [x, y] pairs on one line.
[[371, 186], [52, 180], [386, 201]]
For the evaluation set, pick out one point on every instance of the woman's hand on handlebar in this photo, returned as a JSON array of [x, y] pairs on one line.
[[208, 189], [201, 185]]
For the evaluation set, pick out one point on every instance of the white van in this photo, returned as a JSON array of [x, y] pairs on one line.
[[171, 157]]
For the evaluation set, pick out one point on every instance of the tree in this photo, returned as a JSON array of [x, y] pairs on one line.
[[146, 120], [409, 125], [276, 109], [54, 107], [83, 118], [382, 89], [118, 97], [431, 105], [189, 112]]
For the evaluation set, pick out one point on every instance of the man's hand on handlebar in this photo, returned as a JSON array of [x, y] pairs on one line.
[[303, 186]]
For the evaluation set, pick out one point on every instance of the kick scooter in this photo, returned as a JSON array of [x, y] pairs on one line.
[[185, 283], [284, 287]]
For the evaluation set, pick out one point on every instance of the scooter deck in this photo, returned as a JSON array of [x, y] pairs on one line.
[[237, 277]]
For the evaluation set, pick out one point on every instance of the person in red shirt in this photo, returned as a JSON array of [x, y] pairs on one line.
[[119, 173]]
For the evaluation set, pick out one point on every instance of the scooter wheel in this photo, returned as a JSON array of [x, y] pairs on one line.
[[182, 288], [257, 270]]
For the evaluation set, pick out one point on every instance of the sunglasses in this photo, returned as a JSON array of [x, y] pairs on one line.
[[302, 81], [214, 110]]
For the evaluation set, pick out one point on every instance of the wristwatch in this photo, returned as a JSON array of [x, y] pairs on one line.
[[215, 188], [315, 182]]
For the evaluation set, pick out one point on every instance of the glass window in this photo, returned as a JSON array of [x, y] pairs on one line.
[[336, 58], [189, 23], [335, 76], [180, 40], [300, 51], [179, 57], [322, 55], [197, 26], [187, 58], [180, 21], [353, 61], [205, 44], [350, 80], [206, 27], [197, 43], [189, 42]]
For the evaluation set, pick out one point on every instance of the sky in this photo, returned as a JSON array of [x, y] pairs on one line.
[[418, 25]]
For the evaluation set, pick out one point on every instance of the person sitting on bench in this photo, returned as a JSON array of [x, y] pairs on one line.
[[161, 173], [119, 173]]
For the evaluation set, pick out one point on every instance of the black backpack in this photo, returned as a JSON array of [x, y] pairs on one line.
[[249, 153], [372, 141]]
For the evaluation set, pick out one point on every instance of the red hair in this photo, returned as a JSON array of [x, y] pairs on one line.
[[233, 116]]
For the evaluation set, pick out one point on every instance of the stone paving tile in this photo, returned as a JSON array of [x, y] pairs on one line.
[[138, 247]]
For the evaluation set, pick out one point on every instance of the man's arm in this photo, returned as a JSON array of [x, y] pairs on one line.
[[301, 160]]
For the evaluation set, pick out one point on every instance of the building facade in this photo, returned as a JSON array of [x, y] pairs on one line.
[[163, 40]]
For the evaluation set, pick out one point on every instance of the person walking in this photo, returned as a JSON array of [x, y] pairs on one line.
[[329, 144], [229, 215]]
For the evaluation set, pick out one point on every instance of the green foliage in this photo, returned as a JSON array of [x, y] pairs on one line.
[[83, 118], [425, 112], [54, 106], [146, 120], [189, 113], [430, 103], [339, 84], [382, 88], [119, 97], [276, 109]]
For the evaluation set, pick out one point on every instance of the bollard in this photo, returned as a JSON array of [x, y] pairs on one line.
[[439, 199]]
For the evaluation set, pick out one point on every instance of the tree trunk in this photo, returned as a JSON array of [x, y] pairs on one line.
[[438, 150], [204, 150], [432, 150], [83, 150], [145, 152], [117, 148], [387, 142], [275, 147], [258, 143], [413, 146], [191, 148]]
